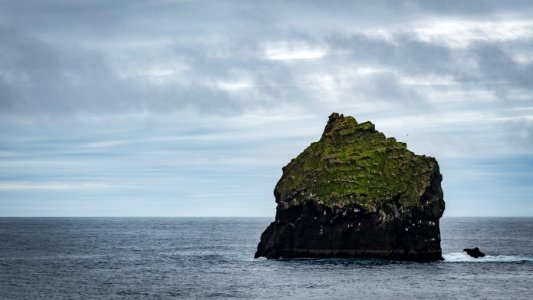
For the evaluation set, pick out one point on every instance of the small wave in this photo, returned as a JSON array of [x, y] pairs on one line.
[[463, 257]]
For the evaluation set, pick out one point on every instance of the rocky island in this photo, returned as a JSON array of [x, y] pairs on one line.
[[356, 193]]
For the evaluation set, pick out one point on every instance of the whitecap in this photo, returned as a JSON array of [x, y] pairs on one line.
[[262, 258], [463, 257]]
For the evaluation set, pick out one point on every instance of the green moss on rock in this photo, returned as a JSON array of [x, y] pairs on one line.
[[355, 165]]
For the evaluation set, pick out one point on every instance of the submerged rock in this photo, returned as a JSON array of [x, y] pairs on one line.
[[475, 253], [356, 193]]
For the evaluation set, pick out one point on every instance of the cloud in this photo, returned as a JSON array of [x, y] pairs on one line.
[[231, 60], [137, 91], [22, 186], [499, 68], [293, 51], [218, 64], [462, 33], [47, 80]]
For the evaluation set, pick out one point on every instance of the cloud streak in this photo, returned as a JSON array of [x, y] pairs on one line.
[[50, 186]]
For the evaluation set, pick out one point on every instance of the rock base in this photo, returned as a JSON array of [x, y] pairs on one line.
[[314, 230]]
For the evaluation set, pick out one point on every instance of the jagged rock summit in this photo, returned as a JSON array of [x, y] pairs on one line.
[[356, 193]]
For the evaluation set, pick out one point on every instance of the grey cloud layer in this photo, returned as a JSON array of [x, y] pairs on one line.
[[158, 57], [109, 102]]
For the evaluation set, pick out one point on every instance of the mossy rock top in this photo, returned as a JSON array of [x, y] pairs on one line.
[[353, 164]]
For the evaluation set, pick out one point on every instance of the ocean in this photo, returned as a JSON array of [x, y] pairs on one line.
[[199, 258]]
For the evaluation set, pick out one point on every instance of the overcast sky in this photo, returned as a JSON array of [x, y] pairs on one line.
[[191, 108]]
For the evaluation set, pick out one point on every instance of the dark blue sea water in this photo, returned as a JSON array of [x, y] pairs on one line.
[[161, 258]]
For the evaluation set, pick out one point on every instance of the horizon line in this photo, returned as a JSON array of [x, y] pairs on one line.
[[226, 217]]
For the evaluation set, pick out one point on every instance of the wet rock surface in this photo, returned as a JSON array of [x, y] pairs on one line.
[[356, 193], [475, 252]]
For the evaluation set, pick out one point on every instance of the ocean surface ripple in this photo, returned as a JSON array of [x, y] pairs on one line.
[[183, 258]]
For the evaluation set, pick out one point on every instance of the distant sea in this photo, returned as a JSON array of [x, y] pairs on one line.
[[165, 258]]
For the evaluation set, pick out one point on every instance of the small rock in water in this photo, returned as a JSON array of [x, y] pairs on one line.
[[475, 253]]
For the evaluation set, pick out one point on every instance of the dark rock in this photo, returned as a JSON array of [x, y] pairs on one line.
[[356, 193], [475, 253]]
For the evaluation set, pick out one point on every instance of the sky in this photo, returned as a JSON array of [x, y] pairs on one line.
[[191, 108]]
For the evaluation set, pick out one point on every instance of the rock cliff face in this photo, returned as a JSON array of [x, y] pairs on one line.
[[356, 193]]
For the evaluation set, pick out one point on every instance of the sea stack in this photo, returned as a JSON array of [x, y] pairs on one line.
[[356, 193]]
